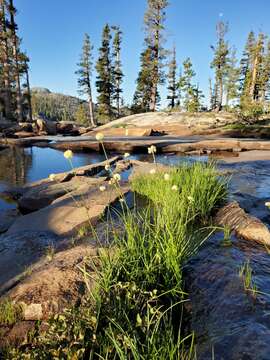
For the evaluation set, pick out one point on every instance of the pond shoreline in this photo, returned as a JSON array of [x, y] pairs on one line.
[[61, 250]]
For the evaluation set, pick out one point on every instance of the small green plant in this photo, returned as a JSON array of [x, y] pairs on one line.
[[227, 241], [10, 312], [246, 273], [84, 230], [50, 252]]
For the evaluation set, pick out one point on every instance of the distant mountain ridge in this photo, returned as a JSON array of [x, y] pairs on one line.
[[59, 107]]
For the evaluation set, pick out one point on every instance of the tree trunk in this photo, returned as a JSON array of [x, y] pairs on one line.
[[220, 93], [253, 79], [30, 112], [91, 107], [153, 98], [17, 70], [6, 68], [118, 89]]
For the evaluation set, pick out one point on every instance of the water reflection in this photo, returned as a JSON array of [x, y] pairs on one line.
[[14, 165], [22, 165]]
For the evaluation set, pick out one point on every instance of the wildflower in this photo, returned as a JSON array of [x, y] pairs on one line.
[[107, 167], [68, 154], [52, 177], [152, 171], [174, 188], [267, 204], [117, 177], [111, 182], [166, 177], [99, 136], [102, 188], [126, 132], [126, 155], [152, 149], [190, 199]]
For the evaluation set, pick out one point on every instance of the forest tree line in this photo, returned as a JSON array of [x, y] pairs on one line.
[[239, 84], [15, 94]]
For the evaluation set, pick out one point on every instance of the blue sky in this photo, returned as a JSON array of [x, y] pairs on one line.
[[53, 30]]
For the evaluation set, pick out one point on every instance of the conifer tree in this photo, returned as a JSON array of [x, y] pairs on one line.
[[24, 70], [257, 63], [254, 69], [172, 86], [265, 75], [232, 76], [85, 72], [104, 81], [151, 74], [15, 52], [5, 61], [117, 74], [142, 96], [220, 62], [246, 63], [192, 94]]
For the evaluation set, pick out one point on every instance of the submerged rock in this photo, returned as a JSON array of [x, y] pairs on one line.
[[243, 224]]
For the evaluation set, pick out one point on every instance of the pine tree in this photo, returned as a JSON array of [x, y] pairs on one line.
[[24, 72], [5, 61], [186, 86], [220, 63], [265, 75], [246, 64], [255, 66], [15, 52], [85, 72], [104, 79], [232, 76], [117, 68], [151, 74], [257, 63], [172, 86]]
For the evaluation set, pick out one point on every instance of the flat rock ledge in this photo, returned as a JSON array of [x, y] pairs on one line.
[[244, 225]]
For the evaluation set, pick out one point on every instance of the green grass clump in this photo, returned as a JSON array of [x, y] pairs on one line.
[[137, 308], [246, 273], [10, 313], [200, 191]]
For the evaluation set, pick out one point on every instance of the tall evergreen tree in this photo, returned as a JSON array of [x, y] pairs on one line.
[[85, 72], [5, 61], [172, 85], [15, 52], [246, 63], [117, 68], [151, 74], [232, 77], [255, 65], [265, 75], [185, 84], [142, 96], [220, 62], [104, 81], [24, 70]]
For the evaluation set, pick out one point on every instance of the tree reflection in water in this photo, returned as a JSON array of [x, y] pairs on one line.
[[15, 163]]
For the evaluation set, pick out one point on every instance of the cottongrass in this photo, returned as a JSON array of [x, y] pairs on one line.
[[136, 311]]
